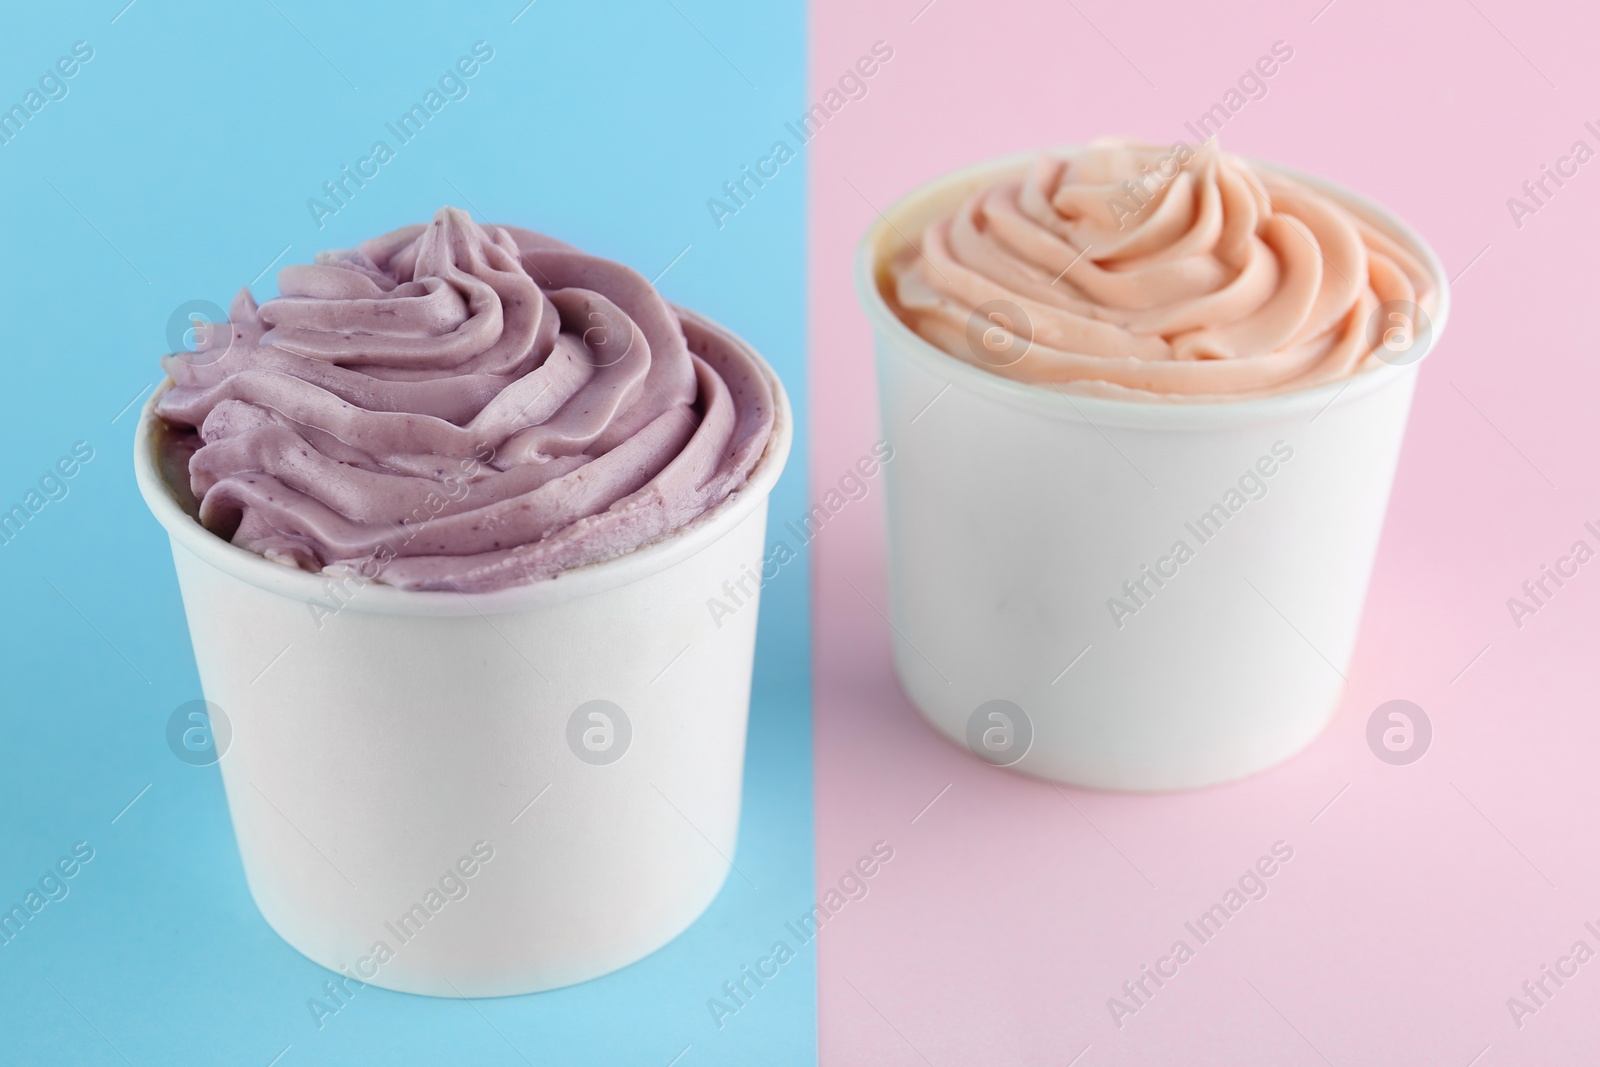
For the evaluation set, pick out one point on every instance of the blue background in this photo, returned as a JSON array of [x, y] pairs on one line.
[[177, 167]]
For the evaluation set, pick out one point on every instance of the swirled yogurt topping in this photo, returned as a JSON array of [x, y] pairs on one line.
[[1149, 273], [456, 406]]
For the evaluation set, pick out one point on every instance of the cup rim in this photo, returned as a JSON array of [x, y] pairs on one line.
[[380, 599], [1037, 398]]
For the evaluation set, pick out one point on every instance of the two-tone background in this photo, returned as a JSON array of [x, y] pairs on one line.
[[175, 163]]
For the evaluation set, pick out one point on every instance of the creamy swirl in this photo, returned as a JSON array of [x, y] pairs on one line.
[[455, 406], [1151, 273]]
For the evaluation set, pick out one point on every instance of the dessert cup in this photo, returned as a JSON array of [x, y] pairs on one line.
[[1017, 513], [507, 791]]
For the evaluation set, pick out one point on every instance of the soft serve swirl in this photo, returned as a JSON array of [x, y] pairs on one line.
[[1154, 273], [466, 407]]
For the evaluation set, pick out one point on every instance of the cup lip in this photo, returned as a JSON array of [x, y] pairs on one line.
[[1040, 399], [380, 599]]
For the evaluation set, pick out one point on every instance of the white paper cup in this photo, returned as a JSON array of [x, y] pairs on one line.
[[377, 755], [1016, 514]]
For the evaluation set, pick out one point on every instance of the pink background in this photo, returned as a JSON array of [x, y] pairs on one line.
[[1422, 897]]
